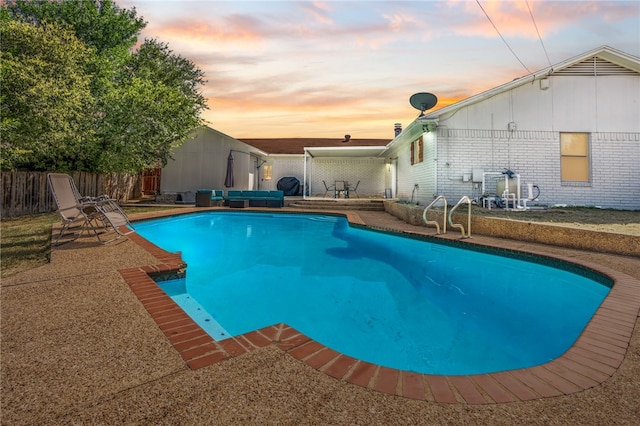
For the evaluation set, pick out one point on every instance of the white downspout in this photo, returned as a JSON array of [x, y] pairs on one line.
[[435, 160], [304, 183]]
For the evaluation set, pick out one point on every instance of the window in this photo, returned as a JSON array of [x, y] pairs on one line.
[[574, 157], [267, 171], [413, 153], [417, 151]]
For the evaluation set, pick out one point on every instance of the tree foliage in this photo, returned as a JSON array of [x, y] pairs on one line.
[[155, 104], [100, 106], [99, 24], [45, 98]]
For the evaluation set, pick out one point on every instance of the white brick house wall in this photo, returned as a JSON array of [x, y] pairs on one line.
[[283, 166], [369, 171], [420, 174], [597, 93], [536, 157]]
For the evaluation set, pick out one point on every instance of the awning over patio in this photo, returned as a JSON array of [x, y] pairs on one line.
[[339, 152], [345, 151]]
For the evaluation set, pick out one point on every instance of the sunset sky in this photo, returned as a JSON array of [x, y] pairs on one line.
[[330, 68]]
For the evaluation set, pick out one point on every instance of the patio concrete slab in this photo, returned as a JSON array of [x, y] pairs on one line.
[[78, 347]]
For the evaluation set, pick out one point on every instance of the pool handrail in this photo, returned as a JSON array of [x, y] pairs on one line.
[[458, 225], [444, 217]]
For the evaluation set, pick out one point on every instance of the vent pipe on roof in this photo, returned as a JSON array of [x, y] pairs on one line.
[[397, 129]]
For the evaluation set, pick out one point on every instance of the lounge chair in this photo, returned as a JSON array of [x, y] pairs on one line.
[[100, 215]]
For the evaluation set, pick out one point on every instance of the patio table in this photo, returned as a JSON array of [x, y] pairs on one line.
[[341, 186]]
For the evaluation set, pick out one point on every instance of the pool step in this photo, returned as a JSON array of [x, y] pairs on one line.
[[339, 204]]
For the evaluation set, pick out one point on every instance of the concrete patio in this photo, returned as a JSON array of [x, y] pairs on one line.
[[78, 347]]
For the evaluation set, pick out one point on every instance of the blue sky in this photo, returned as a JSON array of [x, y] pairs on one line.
[[330, 68]]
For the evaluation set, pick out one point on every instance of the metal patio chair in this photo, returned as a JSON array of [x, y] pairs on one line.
[[327, 189], [354, 190]]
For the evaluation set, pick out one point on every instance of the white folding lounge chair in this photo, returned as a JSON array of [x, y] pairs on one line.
[[112, 219], [100, 215]]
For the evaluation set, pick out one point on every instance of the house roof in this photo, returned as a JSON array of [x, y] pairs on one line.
[[329, 147], [626, 62]]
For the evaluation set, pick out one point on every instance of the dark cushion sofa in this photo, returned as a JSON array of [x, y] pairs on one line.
[[257, 198]]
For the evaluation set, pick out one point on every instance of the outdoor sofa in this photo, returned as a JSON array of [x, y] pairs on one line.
[[238, 198]]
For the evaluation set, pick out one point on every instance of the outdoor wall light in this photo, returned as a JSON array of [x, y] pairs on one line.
[[429, 127]]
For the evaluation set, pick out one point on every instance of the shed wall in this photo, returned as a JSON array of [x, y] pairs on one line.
[[201, 162]]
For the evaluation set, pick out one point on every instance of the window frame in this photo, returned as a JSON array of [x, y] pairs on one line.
[[413, 152], [267, 171], [566, 158], [417, 151]]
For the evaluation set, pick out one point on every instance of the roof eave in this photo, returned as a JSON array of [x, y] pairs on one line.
[[604, 52], [346, 151]]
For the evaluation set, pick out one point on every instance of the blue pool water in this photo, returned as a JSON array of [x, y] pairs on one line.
[[395, 301]]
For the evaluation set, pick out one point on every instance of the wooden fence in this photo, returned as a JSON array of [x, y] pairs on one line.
[[28, 192]]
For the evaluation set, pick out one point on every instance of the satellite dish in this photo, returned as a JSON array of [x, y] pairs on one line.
[[423, 101]]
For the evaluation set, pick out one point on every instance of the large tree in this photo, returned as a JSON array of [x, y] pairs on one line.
[[154, 105], [45, 96], [143, 102]]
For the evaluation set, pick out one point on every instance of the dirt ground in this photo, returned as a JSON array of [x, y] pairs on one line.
[[619, 221]]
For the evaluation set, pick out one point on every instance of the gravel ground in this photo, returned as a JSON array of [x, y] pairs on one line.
[[79, 348]]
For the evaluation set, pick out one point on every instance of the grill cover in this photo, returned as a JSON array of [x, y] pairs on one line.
[[289, 185]]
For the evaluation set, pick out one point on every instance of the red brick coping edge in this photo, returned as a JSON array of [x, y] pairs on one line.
[[594, 357]]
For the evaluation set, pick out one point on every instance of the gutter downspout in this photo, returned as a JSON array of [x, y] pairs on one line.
[[435, 169], [304, 183]]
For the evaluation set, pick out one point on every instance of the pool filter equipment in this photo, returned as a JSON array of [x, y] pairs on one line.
[[533, 192], [530, 194], [509, 193]]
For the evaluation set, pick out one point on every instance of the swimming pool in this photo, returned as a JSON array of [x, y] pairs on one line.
[[394, 301]]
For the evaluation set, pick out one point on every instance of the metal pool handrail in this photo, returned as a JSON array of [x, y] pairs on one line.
[[444, 217], [458, 225]]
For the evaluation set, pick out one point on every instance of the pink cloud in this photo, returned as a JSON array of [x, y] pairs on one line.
[[234, 29], [401, 21], [513, 18], [319, 11]]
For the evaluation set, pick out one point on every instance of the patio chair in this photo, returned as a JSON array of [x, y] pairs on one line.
[[327, 189], [354, 190], [92, 214]]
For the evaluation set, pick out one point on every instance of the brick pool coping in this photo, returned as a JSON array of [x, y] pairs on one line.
[[594, 357]]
